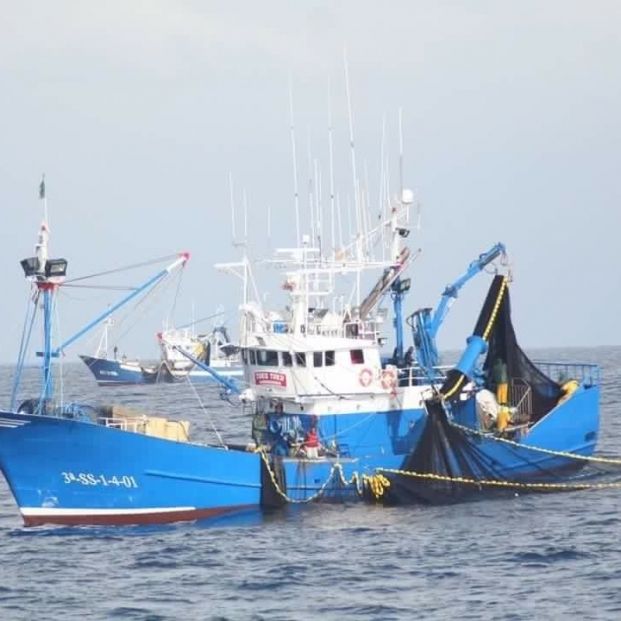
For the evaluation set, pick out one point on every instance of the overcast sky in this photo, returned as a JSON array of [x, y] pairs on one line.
[[138, 110]]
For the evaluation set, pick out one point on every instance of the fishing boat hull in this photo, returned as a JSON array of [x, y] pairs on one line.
[[366, 441], [115, 372], [63, 471], [471, 463]]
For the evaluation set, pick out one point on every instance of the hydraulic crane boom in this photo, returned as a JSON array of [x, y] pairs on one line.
[[426, 322]]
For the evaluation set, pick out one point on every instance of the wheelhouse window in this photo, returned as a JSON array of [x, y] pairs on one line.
[[244, 355], [287, 359], [267, 358], [252, 357], [330, 359], [300, 359], [318, 359], [357, 356]]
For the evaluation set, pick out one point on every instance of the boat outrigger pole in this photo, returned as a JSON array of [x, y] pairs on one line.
[[182, 259], [47, 275], [230, 385], [425, 322]]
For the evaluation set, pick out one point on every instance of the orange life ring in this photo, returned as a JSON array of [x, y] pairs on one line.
[[389, 379], [366, 377]]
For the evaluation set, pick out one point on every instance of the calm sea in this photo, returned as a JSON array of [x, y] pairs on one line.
[[526, 557]]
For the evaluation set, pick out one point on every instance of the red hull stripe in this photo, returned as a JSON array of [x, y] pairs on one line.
[[119, 519]]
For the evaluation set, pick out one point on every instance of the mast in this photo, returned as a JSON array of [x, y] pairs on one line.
[[232, 201], [351, 143], [359, 245], [46, 275], [311, 200], [381, 185], [331, 156], [296, 196], [47, 287], [401, 152]]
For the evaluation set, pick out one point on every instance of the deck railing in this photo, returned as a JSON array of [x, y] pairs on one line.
[[137, 425], [366, 330], [521, 398], [415, 376], [586, 373]]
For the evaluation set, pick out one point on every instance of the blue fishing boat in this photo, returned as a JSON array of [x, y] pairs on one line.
[[215, 349], [332, 416]]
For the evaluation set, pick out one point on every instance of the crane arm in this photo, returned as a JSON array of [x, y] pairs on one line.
[[451, 291], [426, 322]]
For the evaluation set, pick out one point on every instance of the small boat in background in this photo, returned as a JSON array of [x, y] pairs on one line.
[[214, 349]]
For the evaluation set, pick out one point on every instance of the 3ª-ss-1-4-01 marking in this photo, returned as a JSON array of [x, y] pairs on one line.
[[88, 478]]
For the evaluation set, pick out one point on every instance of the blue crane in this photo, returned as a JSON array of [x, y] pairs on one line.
[[426, 322]]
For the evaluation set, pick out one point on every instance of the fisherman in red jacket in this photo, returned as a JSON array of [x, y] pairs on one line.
[[311, 443]]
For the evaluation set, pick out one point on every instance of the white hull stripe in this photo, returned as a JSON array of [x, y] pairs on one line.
[[11, 422], [55, 512]]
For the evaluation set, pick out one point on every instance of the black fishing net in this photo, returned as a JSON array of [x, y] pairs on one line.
[[446, 452], [503, 346], [450, 465], [449, 460]]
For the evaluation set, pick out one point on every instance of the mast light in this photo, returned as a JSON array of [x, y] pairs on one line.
[[55, 268], [30, 266]]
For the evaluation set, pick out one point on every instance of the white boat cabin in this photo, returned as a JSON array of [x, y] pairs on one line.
[[286, 367]]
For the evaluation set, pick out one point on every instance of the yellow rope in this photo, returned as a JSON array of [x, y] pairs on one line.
[[336, 469], [499, 483], [456, 386], [585, 458], [377, 483], [515, 484], [492, 317]]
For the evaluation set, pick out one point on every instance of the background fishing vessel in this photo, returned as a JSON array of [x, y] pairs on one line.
[[215, 349]]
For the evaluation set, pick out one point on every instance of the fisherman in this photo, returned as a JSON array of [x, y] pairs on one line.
[[116, 352], [259, 427], [311, 442], [501, 379], [395, 357], [409, 357], [286, 428], [486, 409]]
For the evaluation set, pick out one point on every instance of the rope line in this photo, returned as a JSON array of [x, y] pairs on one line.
[[492, 318], [337, 469], [585, 458], [500, 483]]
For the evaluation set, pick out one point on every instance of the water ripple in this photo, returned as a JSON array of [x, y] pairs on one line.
[[517, 558]]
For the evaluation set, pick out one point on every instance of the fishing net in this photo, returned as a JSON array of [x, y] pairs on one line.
[[452, 462]]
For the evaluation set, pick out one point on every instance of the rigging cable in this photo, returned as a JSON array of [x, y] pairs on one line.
[[123, 269], [24, 346], [213, 425]]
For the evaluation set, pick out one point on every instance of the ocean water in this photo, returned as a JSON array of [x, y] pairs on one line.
[[522, 557]]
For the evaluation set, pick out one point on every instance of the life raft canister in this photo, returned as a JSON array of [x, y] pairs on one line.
[[365, 377]]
